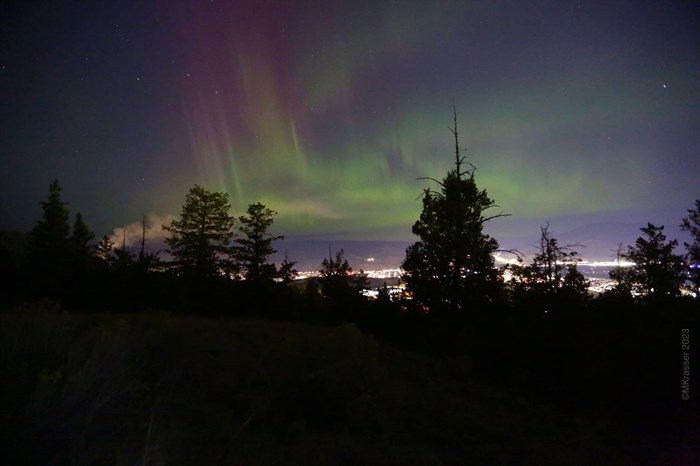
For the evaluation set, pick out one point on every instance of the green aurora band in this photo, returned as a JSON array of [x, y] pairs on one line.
[[332, 125]]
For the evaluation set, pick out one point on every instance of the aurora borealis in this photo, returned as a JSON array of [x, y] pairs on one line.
[[576, 113]]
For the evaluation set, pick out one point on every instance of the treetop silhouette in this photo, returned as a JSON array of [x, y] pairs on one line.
[[452, 266], [200, 240]]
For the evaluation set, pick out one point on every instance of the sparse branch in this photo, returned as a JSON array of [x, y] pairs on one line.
[[571, 247], [472, 168], [458, 157], [498, 215], [431, 179], [517, 253]]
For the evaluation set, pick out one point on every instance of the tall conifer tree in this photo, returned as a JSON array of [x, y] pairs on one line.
[[81, 251], [49, 249], [200, 240], [657, 271], [254, 249], [451, 266], [691, 224]]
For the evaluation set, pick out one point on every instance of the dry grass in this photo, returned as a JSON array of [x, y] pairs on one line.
[[150, 389]]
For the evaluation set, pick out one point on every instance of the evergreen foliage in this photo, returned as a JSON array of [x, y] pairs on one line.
[[451, 266], [254, 249], [657, 271], [553, 271], [49, 238], [691, 224], [337, 268], [104, 251], [124, 259], [340, 286], [200, 240], [49, 248], [287, 273], [81, 249], [336, 275], [621, 276]]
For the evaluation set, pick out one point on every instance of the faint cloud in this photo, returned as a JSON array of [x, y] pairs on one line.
[[131, 234]]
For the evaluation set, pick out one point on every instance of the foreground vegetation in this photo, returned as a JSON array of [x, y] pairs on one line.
[[150, 388]]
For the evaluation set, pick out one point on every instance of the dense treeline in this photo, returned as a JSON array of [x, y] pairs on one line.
[[219, 265], [542, 333]]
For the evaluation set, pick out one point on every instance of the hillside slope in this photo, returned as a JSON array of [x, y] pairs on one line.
[[153, 389]]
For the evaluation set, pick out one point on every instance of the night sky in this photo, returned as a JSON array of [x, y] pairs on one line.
[[584, 114]]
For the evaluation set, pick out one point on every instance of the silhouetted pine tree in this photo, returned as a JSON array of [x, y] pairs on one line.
[[335, 269], [336, 275], [254, 249], [691, 224], [199, 241], [621, 276], [49, 247], [339, 287], [105, 251], [287, 273], [657, 271], [451, 267], [81, 251], [552, 275]]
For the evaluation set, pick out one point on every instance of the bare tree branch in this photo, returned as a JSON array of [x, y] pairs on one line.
[[499, 215], [517, 253]]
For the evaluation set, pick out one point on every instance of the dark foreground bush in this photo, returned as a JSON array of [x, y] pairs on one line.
[[153, 389]]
